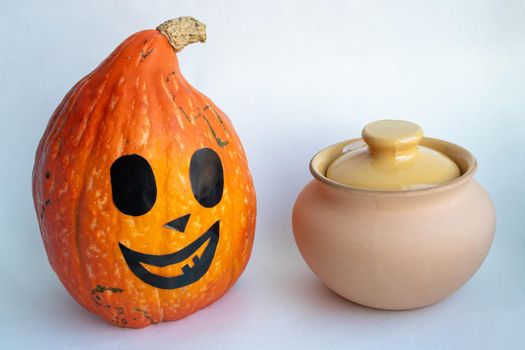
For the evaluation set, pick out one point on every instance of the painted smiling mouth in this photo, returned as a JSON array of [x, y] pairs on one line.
[[135, 261]]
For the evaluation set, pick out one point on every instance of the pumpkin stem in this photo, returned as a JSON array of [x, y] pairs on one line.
[[183, 31]]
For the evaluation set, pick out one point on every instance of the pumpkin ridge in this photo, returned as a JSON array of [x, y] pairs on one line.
[[170, 95], [159, 302], [52, 124], [69, 118], [83, 120], [105, 115], [78, 90], [55, 128], [81, 197], [63, 117]]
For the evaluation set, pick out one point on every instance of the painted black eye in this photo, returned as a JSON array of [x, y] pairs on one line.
[[133, 185], [207, 178]]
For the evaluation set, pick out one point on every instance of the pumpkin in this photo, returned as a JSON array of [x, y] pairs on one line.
[[144, 198]]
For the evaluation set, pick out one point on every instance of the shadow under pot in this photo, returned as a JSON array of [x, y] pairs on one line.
[[400, 224]]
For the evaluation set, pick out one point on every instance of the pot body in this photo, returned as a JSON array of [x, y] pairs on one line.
[[394, 251]]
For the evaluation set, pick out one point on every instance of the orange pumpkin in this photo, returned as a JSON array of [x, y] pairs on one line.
[[144, 198]]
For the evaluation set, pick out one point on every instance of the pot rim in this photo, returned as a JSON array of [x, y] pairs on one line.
[[461, 156]]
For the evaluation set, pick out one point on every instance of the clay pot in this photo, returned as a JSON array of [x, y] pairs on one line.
[[394, 249]]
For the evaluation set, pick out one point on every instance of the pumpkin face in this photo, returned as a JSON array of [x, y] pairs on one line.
[[144, 198], [134, 193]]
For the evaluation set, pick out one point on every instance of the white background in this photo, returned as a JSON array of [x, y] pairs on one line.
[[294, 77]]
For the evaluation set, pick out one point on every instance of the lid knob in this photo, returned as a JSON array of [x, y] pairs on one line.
[[393, 160], [387, 138]]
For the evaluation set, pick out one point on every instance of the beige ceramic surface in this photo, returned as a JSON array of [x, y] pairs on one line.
[[394, 249], [393, 160]]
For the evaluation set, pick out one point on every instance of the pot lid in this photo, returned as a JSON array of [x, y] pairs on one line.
[[393, 160]]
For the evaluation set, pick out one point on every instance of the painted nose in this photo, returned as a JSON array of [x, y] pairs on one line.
[[179, 224]]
